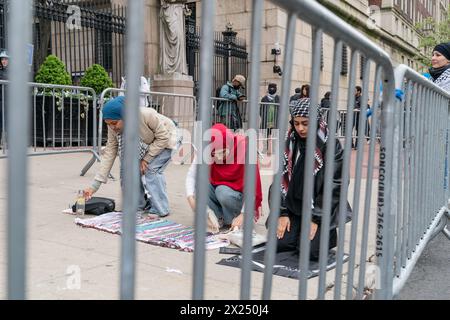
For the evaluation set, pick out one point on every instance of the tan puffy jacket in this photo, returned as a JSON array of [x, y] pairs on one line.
[[156, 130]]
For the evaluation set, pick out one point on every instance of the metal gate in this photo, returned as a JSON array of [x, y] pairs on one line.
[[80, 33], [230, 54]]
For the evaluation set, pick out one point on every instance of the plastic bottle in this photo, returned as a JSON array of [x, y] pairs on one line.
[[81, 203]]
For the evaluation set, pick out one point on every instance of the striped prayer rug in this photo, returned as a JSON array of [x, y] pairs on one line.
[[155, 231]]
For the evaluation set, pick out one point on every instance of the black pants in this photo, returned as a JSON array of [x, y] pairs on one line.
[[291, 240], [356, 126]]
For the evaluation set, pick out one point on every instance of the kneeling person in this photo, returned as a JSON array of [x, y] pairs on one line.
[[289, 222]]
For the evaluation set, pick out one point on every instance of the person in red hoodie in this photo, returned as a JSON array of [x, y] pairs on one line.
[[227, 172]]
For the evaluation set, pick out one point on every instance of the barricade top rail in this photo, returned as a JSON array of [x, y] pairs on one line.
[[175, 95], [54, 86], [403, 71], [244, 101]]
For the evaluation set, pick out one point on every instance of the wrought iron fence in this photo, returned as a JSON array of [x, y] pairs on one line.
[[230, 54], [80, 33]]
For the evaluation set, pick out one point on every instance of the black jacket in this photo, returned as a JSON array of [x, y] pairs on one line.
[[289, 208], [3, 74]]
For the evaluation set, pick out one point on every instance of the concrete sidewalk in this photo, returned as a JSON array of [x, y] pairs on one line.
[[57, 247]]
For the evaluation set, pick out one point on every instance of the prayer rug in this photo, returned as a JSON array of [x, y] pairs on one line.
[[286, 263], [152, 230]]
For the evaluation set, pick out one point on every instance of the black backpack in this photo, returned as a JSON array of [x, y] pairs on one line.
[[97, 206]]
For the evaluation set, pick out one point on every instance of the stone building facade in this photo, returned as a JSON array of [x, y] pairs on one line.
[[394, 32]]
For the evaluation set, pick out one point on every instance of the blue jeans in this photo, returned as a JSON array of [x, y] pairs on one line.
[[156, 184], [225, 202]]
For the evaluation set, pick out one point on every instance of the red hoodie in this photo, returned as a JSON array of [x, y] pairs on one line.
[[232, 172]]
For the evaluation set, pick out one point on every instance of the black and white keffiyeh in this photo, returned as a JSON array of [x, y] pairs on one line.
[[443, 81], [300, 108]]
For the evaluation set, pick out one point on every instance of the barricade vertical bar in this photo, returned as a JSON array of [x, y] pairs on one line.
[[407, 171], [34, 121], [206, 54], [345, 176], [415, 148], [86, 122], [70, 122], [425, 163], [447, 149], [18, 136], [441, 150], [434, 166], [438, 154], [44, 127], [428, 118], [275, 199], [358, 177], [53, 118], [444, 153], [392, 235], [400, 186], [369, 183], [135, 50], [309, 165], [434, 139], [329, 170], [251, 152], [420, 165], [79, 123], [3, 137], [384, 225], [417, 159], [446, 113], [439, 147], [62, 118]]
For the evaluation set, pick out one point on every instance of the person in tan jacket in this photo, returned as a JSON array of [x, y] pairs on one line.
[[157, 141]]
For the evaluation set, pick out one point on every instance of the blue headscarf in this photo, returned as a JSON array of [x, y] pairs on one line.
[[113, 109]]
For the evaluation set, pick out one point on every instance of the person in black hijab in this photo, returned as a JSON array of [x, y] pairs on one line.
[[289, 222]]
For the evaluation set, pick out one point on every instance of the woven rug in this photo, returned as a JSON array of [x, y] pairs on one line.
[[155, 231]]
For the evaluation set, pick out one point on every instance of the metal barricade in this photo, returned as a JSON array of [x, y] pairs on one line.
[[321, 21], [63, 119], [420, 185], [178, 107], [409, 180], [341, 127]]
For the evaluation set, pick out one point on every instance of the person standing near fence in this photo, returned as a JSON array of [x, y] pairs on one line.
[[325, 103], [4, 63], [440, 70], [268, 112], [157, 141], [305, 91], [356, 114], [440, 75], [289, 222], [228, 111], [296, 96]]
